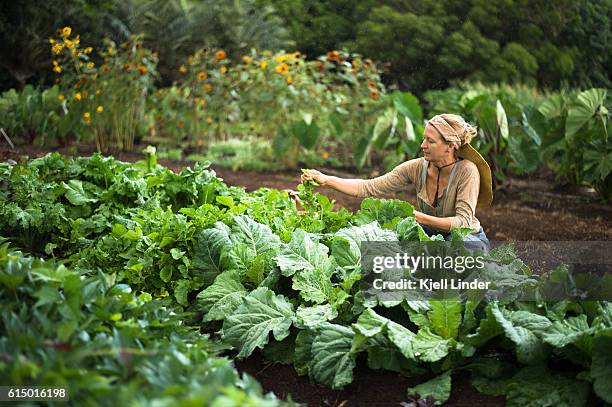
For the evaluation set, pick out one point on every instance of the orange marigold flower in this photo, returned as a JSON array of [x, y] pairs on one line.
[[374, 95], [220, 54], [207, 88], [325, 155], [126, 66], [142, 69], [333, 56], [105, 69], [182, 69], [202, 75], [372, 85], [321, 66], [282, 69]]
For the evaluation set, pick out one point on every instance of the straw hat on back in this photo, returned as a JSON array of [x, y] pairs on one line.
[[454, 129]]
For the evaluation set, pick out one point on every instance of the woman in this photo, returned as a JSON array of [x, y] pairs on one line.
[[451, 180]]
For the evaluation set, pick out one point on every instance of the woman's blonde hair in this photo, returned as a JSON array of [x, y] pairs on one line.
[[453, 129]]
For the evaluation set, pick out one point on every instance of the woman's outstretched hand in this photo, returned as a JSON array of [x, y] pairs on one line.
[[316, 176]]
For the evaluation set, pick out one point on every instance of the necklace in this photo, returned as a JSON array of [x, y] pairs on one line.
[[435, 201]]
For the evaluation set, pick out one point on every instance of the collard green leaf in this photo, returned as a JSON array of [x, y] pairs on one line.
[[222, 298], [562, 333], [260, 313], [208, 248], [346, 246], [332, 361], [311, 317], [302, 253], [430, 347]]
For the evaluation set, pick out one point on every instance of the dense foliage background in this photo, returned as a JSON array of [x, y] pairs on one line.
[[422, 45]]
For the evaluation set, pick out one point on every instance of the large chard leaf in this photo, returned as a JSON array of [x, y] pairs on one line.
[[332, 361], [522, 327], [223, 297], [303, 254], [371, 325], [564, 332], [208, 249], [260, 313], [445, 317], [346, 246], [388, 212], [430, 347]]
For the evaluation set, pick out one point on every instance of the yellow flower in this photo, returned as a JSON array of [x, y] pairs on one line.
[[57, 69], [66, 31], [98, 91], [90, 65], [142, 69], [223, 70], [78, 96], [182, 69], [280, 59], [202, 75], [289, 80], [111, 51], [55, 63], [60, 98], [88, 50], [247, 59], [87, 118], [69, 43], [325, 155], [77, 40], [208, 88], [57, 48], [99, 109], [181, 124], [209, 120], [264, 64], [51, 41], [282, 69], [203, 102]]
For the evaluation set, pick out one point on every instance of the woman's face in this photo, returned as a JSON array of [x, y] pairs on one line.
[[434, 146]]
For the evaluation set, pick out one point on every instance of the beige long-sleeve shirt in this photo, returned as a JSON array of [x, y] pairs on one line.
[[458, 199]]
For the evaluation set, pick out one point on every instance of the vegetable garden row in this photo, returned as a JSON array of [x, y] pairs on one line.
[[149, 276]]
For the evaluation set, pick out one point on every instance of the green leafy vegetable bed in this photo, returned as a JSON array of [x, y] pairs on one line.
[[150, 274]]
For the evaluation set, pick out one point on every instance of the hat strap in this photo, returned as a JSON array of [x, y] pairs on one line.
[[435, 201]]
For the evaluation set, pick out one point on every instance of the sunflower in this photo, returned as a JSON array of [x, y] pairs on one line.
[[202, 75], [282, 69]]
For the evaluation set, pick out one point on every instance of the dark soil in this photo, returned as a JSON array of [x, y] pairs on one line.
[[531, 208]]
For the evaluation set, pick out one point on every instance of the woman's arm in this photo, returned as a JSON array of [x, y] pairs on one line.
[[393, 181], [347, 186], [433, 221]]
